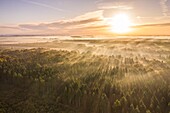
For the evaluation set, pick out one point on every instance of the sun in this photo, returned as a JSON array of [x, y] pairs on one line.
[[120, 23]]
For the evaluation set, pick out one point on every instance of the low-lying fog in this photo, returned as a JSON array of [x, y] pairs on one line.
[[128, 46]]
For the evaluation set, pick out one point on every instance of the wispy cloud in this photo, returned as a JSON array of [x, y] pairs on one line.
[[11, 27], [73, 22], [164, 7], [116, 7], [152, 25], [85, 19], [33, 27], [96, 27], [43, 5], [59, 24], [117, 4]]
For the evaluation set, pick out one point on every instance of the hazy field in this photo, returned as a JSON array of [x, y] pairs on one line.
[[86, 75]]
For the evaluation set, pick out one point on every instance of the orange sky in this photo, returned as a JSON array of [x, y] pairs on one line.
[[149, 17]]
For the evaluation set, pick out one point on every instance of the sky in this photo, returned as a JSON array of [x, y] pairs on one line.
[[82, 17]]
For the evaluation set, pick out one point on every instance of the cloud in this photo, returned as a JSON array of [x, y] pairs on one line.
[[42, 5], [116, 4], [82, 20], [72, 22], [90, 20], [97, 27], [9, 27], [111, 7], [152, 25], [59, 24], [11, 30], [93, 14], [33, 27], [116, 7], [164, 7]]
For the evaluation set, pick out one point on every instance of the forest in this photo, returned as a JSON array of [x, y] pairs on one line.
[[61, 81]]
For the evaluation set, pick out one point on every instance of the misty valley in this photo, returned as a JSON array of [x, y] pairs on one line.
[[118, 75]]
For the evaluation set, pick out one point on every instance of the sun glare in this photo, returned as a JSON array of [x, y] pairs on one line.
[[120, 23]]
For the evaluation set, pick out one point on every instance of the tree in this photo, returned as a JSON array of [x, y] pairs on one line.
[[117, 103], [148, 111]]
